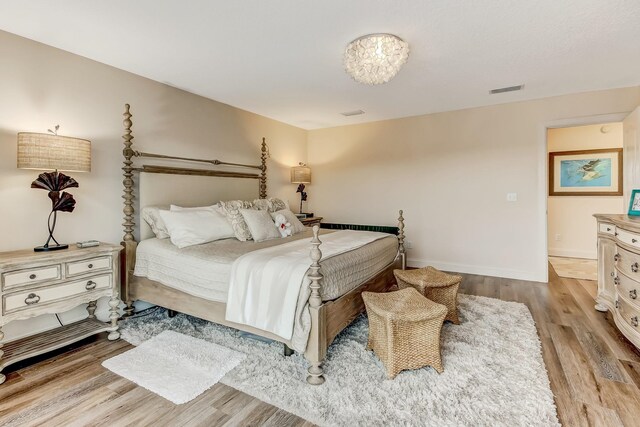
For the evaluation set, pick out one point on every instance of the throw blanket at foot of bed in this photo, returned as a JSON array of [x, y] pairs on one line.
[[265, 284]]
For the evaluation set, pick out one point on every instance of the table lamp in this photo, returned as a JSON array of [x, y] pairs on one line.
[[301, 175], [48, 152]]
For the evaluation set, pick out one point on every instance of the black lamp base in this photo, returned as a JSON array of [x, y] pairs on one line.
[[50, 248]]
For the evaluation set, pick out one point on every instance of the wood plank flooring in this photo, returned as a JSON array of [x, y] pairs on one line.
[[593, 370]]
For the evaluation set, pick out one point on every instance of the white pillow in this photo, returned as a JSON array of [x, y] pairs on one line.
[[296, 225], [196, 208], [260, 224], [151, 214], [197, 226]]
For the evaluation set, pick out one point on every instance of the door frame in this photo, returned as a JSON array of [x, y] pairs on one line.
[[543, 177]]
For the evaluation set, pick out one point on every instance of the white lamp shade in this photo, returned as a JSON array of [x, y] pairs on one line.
[[301, 175], [43, 151]]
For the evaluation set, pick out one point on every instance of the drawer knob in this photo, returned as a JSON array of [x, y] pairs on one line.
[[91, 285], [90, 266], [616, 257], [616, 280], [32, 276], [634, 267], [634, 240], [608, 228], [615, 234], [617, 304], [32, 299], [634, 321], [633, 294]]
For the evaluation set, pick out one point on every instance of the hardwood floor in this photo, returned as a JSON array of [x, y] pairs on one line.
[[594, 373]]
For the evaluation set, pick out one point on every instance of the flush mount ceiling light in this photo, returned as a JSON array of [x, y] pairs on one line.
[[375, 58]]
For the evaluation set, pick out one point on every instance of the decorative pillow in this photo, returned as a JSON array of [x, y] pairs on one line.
[[260, 224], [151, 215], [196, 226], [296, 225], [231, 210], [272, 204]]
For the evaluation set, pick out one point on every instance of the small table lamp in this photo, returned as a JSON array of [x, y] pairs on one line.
[[43, 151], [301, 175]]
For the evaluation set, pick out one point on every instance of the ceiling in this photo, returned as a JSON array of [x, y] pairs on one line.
[[283, 58]]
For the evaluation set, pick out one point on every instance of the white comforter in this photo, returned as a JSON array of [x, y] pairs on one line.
[[265, 284]]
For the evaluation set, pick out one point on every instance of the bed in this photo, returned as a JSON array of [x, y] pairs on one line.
[[195, 280]]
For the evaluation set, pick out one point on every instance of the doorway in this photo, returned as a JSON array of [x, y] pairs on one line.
[[576, 167]]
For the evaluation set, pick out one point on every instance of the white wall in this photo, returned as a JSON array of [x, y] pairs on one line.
[[571, 217], [451, 172], [42, 86]]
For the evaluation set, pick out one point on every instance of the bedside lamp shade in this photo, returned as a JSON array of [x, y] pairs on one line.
[[53, 152], [301, 174]]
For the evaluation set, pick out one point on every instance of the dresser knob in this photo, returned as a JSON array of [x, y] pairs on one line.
[[615, 234], [616, 257], [608, 228], [634, 321], [633, 294], [616, 280], [634, 240], [32, 276], [90, 266], [32, 299], [91, 285], [634, 267], [613, 274], [617, 304]]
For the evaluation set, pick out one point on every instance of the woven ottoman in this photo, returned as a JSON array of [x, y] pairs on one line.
[[435, 285], [404, 330]]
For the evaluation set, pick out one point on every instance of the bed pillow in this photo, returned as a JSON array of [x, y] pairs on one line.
[[272, 204], [151, 215], [231, 210], [296, 225], [196, 226], [260, 224], [195, 208]]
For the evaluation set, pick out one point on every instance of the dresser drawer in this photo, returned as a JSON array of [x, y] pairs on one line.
[[36, 275], [606, 228], [628, 288], [631, 239], [628, 312], [88, 265], [42, 296], [628, 263]]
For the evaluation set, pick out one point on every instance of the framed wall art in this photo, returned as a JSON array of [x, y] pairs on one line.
[[586, 172]]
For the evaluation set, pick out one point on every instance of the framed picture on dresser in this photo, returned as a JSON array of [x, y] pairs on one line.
[[634, 203], [586, 172]]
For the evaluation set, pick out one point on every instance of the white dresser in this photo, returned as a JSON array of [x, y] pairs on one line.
[[619, 272], [35, 283]]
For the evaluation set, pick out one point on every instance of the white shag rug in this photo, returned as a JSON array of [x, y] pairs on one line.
[[175, 366], [493, 372]]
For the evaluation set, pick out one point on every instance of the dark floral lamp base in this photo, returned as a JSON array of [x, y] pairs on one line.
[[55, 182]]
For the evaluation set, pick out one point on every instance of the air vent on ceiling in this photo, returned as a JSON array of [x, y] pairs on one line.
[[353, 113], [506, 89]]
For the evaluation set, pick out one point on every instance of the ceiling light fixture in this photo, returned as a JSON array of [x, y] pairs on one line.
[[375, 58]]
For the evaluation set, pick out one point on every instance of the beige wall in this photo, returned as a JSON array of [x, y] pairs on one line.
[[571, 217], [451, 173], [41, 86]]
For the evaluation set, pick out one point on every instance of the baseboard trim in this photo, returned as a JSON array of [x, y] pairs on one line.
[[569, 253], [477, 269]]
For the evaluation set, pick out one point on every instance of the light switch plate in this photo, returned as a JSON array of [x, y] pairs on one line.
[[512, 197]]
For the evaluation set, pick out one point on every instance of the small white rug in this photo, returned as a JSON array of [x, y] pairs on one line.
[[175, 366], [493, 375]]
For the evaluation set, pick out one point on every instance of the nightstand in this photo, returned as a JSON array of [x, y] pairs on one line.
[[36, 283], [310, 222]]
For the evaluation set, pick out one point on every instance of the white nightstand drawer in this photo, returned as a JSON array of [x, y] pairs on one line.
[[607, 228], [88, 265], [42, 296], [31, 275]]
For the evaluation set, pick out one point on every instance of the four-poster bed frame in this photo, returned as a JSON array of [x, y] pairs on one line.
[[328, 318]]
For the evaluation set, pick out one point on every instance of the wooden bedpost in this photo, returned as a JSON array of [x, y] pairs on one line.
[[317, 346], [263, 175], [127, 258], [401, 249]]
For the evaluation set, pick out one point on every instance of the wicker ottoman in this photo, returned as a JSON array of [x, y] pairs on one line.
[[435, 285], [404, 330]]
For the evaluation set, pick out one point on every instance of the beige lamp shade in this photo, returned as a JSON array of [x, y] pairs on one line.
[[43, 151], [301, 174]]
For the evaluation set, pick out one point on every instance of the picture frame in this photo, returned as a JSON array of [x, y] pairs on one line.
[[586, 172], [634, 203]]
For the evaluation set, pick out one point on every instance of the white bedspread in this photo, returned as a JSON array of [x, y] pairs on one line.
[[265, 284]]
